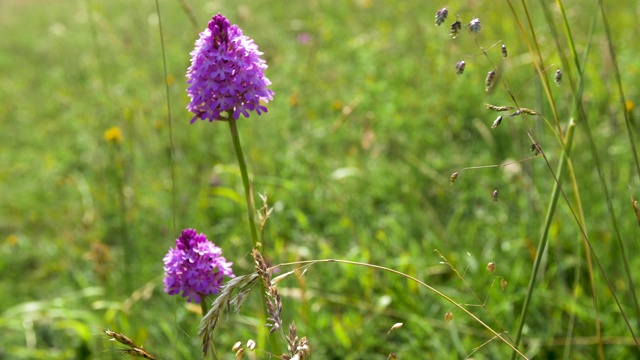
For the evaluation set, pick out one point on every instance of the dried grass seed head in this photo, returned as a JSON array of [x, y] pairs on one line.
[[490, 81], [455, 29], [236, 346], [503, 49], [441, 16], [491, 267], [558, 78], [497, 122], [503, 284], [475, 26], [535, 149], [453, 177], [448, 316], [251, 345], [460, 65]]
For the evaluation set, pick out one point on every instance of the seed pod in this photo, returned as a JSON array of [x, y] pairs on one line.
[[394, 327], [236, 346], [636, 208], [499, 108], [497, 122], [448, 316], [251, 345], [558, 79], [453, 177], [528, 111], [504, 51], [503, 284], [535, 149], [460, 65], [455, 29], [491, 267], [489, 82], [441, 16], [474, 26]]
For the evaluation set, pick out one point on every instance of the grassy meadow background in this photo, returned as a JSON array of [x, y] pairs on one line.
[[368, 122]]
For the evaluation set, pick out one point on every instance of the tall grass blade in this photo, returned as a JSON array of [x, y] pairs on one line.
[[174, 205], [577, 104]]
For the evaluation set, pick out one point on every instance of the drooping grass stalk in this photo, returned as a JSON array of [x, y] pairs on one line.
[[497, 335]]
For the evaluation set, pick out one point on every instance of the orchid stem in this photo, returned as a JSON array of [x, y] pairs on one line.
[[248, 191]]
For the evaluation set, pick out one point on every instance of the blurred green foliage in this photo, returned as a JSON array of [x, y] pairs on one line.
[[368, 122]]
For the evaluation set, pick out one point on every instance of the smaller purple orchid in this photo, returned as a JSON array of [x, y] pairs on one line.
[[195, 266]]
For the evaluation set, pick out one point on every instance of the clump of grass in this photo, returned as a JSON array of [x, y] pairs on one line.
[[565, 166]]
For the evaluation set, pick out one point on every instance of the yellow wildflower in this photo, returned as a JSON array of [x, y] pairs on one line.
[[113, 135]]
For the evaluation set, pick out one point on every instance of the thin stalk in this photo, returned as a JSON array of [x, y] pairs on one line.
[[251, 215], [248, 190], [577, 105], [171, 161], [623, 102], [580, 225], [632, 143], [594, 150], [169, 121], [538, 65], [421, 283], [545, 233]]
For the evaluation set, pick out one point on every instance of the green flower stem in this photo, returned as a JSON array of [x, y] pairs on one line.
[[544, 237], [251, 214], [248, 191]]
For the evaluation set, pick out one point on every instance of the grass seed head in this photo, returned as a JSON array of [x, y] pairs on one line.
[[499, 108], [491, 267], [535, 149], [503, 284], [460, 65], [497, 122], [494, 196], [251, 345], [490, 81], [448, 316], [475, 26], [441, 16], [636, 208], [455, 29], [237, 346], [504, 51], [395, 327], [558, 78], [453, 177]]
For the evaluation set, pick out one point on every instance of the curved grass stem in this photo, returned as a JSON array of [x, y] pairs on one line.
[[421, 283]]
